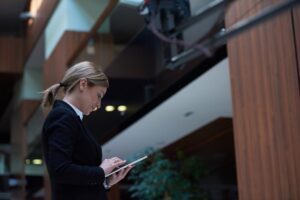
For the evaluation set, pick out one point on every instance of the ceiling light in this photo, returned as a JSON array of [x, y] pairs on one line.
[[109, 108], [122, 108], [37, 161], [26, 15], [187, 114]]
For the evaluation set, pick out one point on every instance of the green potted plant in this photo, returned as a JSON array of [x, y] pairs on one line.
[[162, 178]]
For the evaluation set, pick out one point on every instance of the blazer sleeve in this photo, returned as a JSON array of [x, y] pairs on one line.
[[61, 138]]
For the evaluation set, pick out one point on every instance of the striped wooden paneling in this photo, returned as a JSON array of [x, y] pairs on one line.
[[11, 54], [56, 65], [266, 105]]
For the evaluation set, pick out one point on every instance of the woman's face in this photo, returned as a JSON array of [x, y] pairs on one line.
[[91, 97]]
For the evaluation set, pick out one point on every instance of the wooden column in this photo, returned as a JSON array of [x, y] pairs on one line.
[[266, 104]]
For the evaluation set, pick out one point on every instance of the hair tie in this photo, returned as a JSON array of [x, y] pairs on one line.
[[61, 84]]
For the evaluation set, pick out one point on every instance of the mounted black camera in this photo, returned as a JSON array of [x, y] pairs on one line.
[[164, 11]]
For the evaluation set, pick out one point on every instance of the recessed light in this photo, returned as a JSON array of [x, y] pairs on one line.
[[109, 108], [187, 114], [37, 161], [122, 108]]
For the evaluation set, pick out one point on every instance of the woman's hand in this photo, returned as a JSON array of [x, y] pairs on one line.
[[115, 178], [108, 165]]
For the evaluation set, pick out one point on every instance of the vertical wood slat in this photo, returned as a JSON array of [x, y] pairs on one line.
[[265, 89]]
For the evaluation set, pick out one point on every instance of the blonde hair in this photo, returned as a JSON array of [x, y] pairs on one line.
[[94, 76]]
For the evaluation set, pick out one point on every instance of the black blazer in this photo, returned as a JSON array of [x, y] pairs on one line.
[[72, 156]]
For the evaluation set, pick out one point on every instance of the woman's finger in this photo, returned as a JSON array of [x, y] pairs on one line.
[[124, 172], [127, 170], [116, 162]]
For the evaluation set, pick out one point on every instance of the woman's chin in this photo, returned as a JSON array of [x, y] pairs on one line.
[[87, 113]]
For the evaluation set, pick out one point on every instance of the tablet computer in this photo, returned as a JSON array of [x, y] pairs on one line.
[[123, 167]]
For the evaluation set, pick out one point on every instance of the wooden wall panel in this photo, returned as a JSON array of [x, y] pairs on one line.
[[11, 54], [266, 105], [57, 63]]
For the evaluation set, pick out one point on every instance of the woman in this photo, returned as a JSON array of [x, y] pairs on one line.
[[73, 157]]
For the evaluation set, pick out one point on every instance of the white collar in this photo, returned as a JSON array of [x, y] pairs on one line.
[[78, 112]]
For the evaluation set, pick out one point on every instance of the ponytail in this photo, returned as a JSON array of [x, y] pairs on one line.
[[49, 96]]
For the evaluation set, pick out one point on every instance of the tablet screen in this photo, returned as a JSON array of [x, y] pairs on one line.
[[132, 163]]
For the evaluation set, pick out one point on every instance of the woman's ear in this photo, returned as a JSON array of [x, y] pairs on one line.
[[82, 84]]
